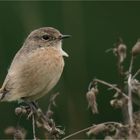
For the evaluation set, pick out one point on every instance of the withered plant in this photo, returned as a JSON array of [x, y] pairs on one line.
[[125, 95]]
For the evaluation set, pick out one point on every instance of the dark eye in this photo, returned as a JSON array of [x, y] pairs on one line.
[[45, 37]]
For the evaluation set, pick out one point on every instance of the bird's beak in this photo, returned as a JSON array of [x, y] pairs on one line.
[[65, 36]]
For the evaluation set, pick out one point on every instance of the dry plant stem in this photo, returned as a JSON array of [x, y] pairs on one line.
[[138, 72], [111, 86], [88, 128], [43, 119], [120, 68], [33, 125], [130, 106], [121, 85], [78, 132]]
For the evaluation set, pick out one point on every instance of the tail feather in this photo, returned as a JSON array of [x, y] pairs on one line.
[[2, 94]]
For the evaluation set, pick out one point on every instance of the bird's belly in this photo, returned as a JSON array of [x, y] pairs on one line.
[[47, 75], [49, 79]]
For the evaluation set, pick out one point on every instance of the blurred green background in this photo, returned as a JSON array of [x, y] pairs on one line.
[[94, 27]]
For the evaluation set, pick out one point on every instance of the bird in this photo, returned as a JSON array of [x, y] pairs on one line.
[[36, 68]]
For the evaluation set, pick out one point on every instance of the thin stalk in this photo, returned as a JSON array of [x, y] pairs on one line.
[[33, 125], [111, 86], [88, 128], [130, 105]]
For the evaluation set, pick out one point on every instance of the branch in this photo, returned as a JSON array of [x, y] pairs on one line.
[[130, 106], [33, 125], [111, 86], [137, 72], [88, 128]]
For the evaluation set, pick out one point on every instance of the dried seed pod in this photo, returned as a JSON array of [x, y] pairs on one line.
[[121, 51], [135, 87], [24, 111], [136, 48], [117, 103], [91, 98], [53, 98], [97, 129], [18, 110], [108, 138], [110, 127], [38, 124], [49, 113], [20, 134], [10, 130]]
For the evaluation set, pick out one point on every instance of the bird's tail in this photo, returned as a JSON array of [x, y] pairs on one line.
[[1, 94]]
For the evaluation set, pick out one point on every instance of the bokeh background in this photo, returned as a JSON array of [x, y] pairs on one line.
[[94, 27]]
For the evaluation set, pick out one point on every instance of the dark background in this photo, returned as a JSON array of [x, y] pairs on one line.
[[94, 27]]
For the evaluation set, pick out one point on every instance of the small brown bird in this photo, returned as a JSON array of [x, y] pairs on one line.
[[37, 66]]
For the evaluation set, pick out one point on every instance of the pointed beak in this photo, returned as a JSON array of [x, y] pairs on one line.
[[65, 36]]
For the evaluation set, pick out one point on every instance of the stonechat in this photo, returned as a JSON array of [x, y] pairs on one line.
[[36, 67]]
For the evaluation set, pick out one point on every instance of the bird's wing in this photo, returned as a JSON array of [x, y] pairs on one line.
[[26, 77]]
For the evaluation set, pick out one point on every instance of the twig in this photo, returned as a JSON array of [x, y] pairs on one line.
[[33, 124], [138, 72], [130, 106], [88, 128], [49, 125], [111, 86], [131, 64], [44, 120], [108, 50], [78, 132]]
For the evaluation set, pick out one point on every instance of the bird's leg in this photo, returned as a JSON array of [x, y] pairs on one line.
[[31, 108], [36, 110], [35, 104], [33, 111]]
